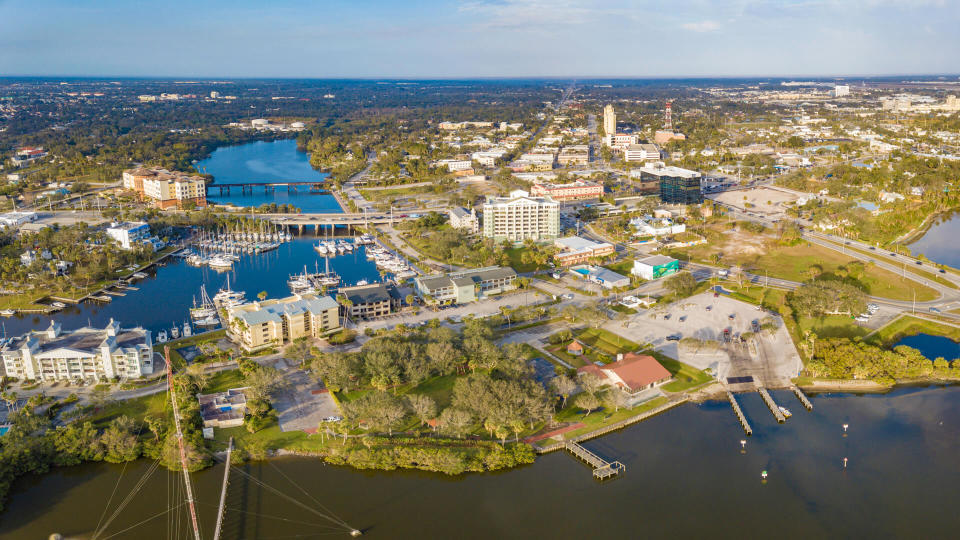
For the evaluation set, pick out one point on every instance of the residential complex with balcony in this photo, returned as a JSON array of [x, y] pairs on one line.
[[579, 189], [164, 188], [277, 321], [520, 217], [466, 286]]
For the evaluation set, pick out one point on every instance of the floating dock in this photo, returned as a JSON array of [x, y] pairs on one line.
[[739, 412], [772, 405], [802, 397], [602, 469]]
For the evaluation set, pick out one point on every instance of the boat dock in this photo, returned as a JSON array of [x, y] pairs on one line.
[[113, 293], [739, 412], [802, 397], [772, 405], [602, 469]]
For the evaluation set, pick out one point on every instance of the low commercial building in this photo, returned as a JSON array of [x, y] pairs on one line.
[[368, 301], [84, 354], [520, 217], [458, 167], [580, 189], [223, 409], [577, 250], [654, 226], [16, 219], [655, 267], [577, 154], [664, 136], [607, 279], [633, 373], [642, 152], [620, 141], [461, 219], [133, 233], [278, 321], [466, 286], [489, 157], [164, 188]]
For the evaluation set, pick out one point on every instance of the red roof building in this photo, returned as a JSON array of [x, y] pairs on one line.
[[631, 372]]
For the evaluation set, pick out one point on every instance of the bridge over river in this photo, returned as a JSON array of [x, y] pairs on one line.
[[267, 185]]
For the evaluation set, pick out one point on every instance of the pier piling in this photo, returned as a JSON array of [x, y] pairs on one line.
[[739, 412], [803, 398], [772, 405]]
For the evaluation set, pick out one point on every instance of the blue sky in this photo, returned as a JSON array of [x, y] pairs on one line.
[[478, 38]]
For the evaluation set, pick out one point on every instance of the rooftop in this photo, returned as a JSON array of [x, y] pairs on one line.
[[273, 310], [656, 260]]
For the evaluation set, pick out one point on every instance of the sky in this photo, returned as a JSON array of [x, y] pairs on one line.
[[478, 38]]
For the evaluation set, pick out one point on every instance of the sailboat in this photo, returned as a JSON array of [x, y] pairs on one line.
[[206, 307]]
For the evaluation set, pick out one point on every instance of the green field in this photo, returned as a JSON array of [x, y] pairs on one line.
[[601, 418]]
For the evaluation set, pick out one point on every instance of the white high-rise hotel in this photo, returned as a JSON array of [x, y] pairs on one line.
[[609, 120], [520, 216]]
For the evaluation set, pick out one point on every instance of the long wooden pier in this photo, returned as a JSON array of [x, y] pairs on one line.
[[740, 416], [802, 397], [772, 405], [602, 469]]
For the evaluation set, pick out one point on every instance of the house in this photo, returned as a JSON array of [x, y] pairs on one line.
[[223, 409], [461, 219], [633, 373], [889, 197], [575, 348]]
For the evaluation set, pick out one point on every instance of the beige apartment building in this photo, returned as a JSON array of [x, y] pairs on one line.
[[520, 216], [278, 321], [164, 188]]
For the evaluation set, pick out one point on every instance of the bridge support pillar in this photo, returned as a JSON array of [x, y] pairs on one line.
[[301, 229]]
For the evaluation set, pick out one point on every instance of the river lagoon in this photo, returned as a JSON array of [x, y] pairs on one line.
[[939, 243], [273, 161], [932, 347], [685, 477]]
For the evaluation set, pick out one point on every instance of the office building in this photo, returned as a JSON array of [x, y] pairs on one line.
[[641, 152], [466, 286], [609, 120], [520, 216], [677, 185], [129, 234], [577, 154], [655, 267], [841, 90], [278, 321], [84, 354], [580, 189]]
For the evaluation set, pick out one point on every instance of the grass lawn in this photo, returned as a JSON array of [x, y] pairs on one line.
[[516, 260], [623, 309], [685, 376], [606, 341], [224, 380], [154, 405], [911, 268], [560, 351], [908, 325], [793, 263], [601, 418], [621, 267], [438, 388], [272, 436]]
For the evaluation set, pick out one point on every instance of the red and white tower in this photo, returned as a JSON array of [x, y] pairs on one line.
[[668, 116]]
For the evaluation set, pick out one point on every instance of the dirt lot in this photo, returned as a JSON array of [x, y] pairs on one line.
[[758, 197]]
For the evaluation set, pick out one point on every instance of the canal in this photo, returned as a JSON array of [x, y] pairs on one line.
[[273, 161], [686, 477]]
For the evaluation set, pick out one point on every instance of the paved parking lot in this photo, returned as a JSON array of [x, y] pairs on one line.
[[771, 360], [303, 404]]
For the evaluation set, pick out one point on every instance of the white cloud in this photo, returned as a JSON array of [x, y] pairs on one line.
[[701, 26]]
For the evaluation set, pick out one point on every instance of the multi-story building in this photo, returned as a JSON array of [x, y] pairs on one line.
[[461, 219], [841, 90], [466, 286], [579, 189], [454, 165], [576, 250], [489, 158], [609, 120], [277, 321], [641, 152], [520, 216], [577, 154], [85, 354], [131, 233], [677, 186], [368, 301], [166, 189]]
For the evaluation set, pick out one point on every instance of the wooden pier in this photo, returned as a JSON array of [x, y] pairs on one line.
[[802, 397], [602, 469], [742, 417], [772, 405]]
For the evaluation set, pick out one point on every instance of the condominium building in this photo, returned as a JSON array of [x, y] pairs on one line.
[[580, 189], [277, 321], [460, 218], [454, 165], [520, 216], [86, 354], [466, 286], [373, 300], [609, 120], [164, 188], [677, 185]]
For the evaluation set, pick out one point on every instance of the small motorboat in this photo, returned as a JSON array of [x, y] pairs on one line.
[[175, 332], [58, 305], [785, 412], [8, 312]]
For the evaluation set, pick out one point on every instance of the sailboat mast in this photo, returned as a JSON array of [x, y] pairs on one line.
[[183, 452], [223, 492]]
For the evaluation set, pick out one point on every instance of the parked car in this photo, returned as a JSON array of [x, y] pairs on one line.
[[674, 337], [919, 263], [934, 310]]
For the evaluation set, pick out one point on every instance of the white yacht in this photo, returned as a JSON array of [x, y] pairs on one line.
[[187, 331], [162, 336]]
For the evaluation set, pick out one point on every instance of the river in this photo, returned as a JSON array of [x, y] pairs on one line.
[[685, 477], [939, 243], [273, 161]]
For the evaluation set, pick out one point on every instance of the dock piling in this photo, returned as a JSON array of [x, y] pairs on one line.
[[802, 397], [739, 412], [772, 405]]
